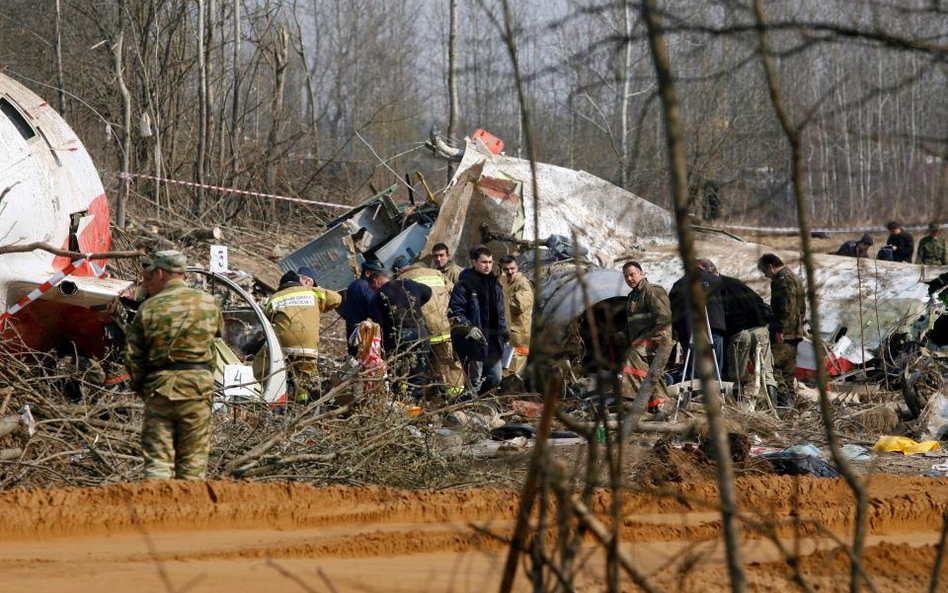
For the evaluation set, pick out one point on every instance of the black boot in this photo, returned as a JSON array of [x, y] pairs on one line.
[[774, 396], [785, 400]]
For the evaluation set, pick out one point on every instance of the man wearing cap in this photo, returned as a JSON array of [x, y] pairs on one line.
[[858, 248], [441, 259], [359, 303], [901, 242], [169, 353], [435, 312], [295, 311], [648, 323], [404, 332], [518, 307], [931, 249]]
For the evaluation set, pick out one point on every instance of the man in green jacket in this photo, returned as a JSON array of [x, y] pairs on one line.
[[788, 303], [648, 323], [169, 357], [931, 249]]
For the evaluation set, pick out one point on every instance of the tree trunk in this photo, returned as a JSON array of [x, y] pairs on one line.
[[454, 104], [198, 205], [125, 138], [626, 89], [235, 111], [60, 79], [694, 293]]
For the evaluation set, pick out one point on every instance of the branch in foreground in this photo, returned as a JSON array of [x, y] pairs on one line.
[[6, 249]]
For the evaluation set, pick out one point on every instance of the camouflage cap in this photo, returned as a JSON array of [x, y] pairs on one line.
[[934, 226], [170, 260]]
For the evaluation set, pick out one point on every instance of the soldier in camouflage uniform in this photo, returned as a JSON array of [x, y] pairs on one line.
[[648, 322], [931, 249], [788, 302], [169, 356]]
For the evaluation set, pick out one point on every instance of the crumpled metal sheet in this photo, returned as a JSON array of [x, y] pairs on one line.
[[607, 219]]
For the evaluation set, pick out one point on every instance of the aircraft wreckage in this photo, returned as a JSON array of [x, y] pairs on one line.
[[490, 200], [49, 300]]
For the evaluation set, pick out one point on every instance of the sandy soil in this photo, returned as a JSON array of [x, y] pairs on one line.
[[226, 536]]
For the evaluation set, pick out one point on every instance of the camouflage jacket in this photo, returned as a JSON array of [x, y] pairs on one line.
[[788, 302], [295, 312], [451, 271], [648, 314], [518, 304], [435, 311], [931, 252], [177, 325]]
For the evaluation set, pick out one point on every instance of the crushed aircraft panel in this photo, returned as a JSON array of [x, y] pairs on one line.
[[376, 229], [497, 189]]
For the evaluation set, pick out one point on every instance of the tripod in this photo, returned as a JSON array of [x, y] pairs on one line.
[[685, 371]]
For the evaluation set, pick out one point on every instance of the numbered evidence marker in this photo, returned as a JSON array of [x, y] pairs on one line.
[[218, 259], [239, 382]]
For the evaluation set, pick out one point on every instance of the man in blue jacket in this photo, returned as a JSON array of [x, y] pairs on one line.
[[479, 330], [359, 303]]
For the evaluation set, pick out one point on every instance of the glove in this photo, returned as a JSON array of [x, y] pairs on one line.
[[477, 335]]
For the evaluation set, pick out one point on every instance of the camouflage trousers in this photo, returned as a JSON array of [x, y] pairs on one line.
[[176, 437], [634, 370], [751, 361], [785, 365], [447, 368]]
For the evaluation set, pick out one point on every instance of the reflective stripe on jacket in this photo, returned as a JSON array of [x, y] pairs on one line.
[[434, 311], [295, 313]]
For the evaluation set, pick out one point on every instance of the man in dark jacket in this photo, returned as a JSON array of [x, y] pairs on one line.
[[681, 312], [358, 303], [858, 248], [404, 332], [479, 331], [902, 243], [750, 358]]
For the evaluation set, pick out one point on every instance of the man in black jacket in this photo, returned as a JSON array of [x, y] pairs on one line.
[[404, 332], [750, 360], [901, 242], [681, 312], [854, 248], [479, 323]]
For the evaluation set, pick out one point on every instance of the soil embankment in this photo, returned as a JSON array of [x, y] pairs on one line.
[[286, 537]]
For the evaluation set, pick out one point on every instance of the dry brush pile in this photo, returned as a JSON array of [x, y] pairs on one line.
[[61, 426]]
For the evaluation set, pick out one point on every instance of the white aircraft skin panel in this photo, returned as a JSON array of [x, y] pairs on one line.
[[49, 177]]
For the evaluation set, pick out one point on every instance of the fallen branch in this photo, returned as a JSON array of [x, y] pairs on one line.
[[38, 246]]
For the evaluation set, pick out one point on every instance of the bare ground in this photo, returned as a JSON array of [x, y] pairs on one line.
[[227, 536]]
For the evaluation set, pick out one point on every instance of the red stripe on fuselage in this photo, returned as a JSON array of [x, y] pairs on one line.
[[95, 238]]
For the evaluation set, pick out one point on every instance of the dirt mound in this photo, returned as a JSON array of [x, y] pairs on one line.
[[669, 463]]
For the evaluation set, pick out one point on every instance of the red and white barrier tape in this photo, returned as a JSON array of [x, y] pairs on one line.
[[234, 190], [793, 229], [50, 284]]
